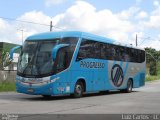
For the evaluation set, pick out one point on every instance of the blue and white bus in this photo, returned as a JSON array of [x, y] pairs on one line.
[[72, 62]]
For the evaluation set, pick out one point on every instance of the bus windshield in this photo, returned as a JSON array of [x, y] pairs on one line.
[[35, 58]]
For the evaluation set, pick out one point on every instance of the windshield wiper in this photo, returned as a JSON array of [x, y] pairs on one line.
[[29, 63]]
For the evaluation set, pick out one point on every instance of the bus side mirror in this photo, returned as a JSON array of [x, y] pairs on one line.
[[12, 51], [56, 48]]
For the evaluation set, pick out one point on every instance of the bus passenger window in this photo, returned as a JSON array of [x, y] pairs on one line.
[[108, 51], [127, 55], [126, 58], [97, 50], [103, 51], [113, 53], [86, 50]]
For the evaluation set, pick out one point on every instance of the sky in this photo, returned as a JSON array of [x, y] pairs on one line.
[[117, 19]]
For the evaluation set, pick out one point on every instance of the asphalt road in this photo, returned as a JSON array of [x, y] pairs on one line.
[[142, 100]]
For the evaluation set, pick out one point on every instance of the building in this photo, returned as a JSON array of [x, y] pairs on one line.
[[6, 47]]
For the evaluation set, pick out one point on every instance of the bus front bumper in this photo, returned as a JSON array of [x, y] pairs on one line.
[[34, 89], [52, 89]]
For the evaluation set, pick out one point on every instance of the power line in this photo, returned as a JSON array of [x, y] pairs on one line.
[[12, 19], [144, 39]]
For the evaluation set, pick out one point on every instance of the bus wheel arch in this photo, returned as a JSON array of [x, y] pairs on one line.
[[83, 82], [79, 88]]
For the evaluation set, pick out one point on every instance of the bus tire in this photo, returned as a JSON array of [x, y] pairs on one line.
[[129, 86], [78, 90]]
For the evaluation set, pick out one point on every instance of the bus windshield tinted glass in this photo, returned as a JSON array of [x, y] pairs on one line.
[[35, 59]]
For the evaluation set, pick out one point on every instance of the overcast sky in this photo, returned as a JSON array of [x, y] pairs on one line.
[[117, 19]]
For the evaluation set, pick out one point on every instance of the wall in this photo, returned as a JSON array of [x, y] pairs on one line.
[[9, 76]]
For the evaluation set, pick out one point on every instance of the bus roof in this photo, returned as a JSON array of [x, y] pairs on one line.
[[60, 34], [51, 35]]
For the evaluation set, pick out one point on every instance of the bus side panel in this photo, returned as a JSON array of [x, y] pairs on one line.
[[113, 66], [62, 83], [136, 72], [139, 80], [99, 80], [100, 75], [94, 72], [82, 74]]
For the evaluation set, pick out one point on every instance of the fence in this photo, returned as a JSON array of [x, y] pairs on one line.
[[9, 76]]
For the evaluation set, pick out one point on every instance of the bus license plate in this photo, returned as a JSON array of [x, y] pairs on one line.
[[30, 90]]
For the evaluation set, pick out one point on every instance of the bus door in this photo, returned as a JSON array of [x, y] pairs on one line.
[[62, 73]]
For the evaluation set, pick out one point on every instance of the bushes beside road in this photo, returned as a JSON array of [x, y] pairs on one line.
[[154, 77]]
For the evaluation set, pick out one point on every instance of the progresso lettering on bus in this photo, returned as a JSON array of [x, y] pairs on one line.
[[85, 64]]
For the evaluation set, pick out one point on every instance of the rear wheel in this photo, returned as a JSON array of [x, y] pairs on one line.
[[129, 86], [78, 90]]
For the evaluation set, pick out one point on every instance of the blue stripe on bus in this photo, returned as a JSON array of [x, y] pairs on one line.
[[126, 68], [121, 64]]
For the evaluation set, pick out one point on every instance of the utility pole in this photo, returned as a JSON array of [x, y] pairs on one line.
[[51, 26], [22, 34], [136, 40]]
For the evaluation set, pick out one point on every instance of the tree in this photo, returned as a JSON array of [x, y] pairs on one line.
[[4, 59], [152, 57]]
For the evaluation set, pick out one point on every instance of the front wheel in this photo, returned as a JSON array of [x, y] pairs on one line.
[[78, 90]]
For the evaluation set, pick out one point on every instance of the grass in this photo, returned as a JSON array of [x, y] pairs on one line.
[[6, 86], [152, 78]]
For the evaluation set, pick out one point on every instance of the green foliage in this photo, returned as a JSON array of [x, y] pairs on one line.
[[153, 64], [158, 69], [4, 59], [152, 58], [4, 53], [153, 69]]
